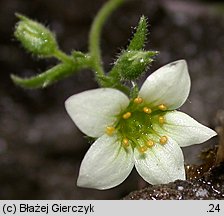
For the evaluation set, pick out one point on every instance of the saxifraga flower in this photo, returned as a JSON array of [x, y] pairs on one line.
[[146, 132]]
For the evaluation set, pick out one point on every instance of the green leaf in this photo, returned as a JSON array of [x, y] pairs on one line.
[[140, 36], [44, 79]]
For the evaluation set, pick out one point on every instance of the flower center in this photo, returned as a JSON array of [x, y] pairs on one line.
[[135, 125]]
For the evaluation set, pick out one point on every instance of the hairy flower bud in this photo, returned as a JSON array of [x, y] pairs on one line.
[[35, 37], [131, 64]]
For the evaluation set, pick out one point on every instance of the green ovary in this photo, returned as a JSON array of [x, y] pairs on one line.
[[135, 126]]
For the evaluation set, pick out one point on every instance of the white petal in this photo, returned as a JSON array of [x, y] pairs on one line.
[[106, 164], [94, 110], [169, 85], [161, 164], [184, 129]]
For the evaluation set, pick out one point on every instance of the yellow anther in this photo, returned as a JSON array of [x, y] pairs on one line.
[[127, 115], [142, 149], [147, 110], [161, 119], [110, 130], [125, 142], [138, 100], [163, 140], [162, 107], [150, 143]]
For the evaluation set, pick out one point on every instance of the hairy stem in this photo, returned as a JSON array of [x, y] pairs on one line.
[[52, 75], [94, 36], [62, 56]]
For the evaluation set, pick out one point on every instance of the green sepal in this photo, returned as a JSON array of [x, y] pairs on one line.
[[35, 37], [140, 36], [132, 64]]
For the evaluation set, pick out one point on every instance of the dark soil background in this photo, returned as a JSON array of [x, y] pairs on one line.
[[40, 147]]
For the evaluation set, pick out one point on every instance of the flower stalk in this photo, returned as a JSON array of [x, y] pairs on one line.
[[94, 37]]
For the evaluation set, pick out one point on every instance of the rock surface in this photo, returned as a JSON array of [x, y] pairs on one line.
[[208, 187]]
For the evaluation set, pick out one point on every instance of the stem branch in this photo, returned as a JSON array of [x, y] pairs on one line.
[[62, 56]]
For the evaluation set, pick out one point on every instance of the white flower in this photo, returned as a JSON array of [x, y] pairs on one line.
[[145, 131]]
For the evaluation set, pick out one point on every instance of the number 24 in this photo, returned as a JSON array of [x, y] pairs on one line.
[[214, 208]]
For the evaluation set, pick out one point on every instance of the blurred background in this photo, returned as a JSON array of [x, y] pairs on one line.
[[40, 147]]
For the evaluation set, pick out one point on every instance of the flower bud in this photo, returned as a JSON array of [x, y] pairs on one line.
[[35, 37], [131, 64]]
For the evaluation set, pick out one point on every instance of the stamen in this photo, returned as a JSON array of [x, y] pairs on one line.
[[142, 149], [125, 142], [138, 100], [163, 140], [161, 119], [147, 110], [150, 143], [162, 107], [127, 115], [110, 130]]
